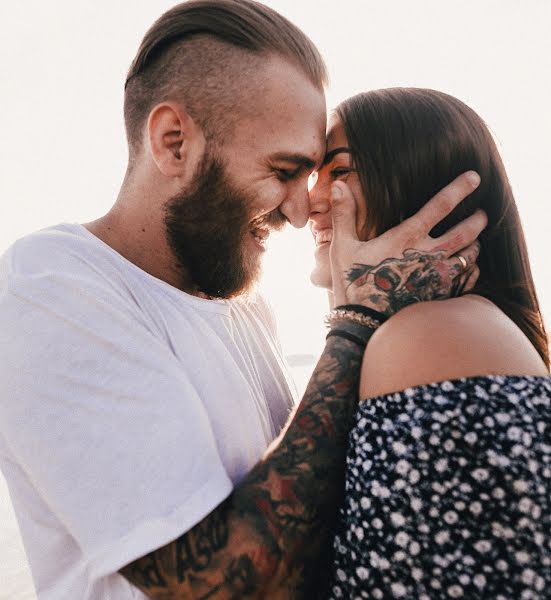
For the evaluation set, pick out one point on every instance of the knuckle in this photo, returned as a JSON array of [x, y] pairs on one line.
[[473, 254], [448, 201], [419, 228], [458, 240], [470, 232]]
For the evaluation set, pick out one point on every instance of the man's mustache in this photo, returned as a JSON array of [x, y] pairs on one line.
[[274, 221]]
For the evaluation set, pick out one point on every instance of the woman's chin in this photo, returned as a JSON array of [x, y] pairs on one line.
[[321, 277]]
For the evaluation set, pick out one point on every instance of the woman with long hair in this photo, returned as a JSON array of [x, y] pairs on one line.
[[448, 479]]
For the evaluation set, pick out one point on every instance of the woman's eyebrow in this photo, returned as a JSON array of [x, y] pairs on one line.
[[330, 155]]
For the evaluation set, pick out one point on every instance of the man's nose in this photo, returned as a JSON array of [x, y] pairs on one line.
[[297, 208], [319, 194]]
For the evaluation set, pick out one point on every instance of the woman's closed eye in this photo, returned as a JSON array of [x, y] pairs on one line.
[[340, 172]]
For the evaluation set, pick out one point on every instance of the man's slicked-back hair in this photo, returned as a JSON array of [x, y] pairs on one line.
[[206, 54]]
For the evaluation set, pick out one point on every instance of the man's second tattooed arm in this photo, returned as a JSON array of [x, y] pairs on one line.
[[267, 538]]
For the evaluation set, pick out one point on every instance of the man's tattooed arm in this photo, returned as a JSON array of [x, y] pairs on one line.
[[267, 538]]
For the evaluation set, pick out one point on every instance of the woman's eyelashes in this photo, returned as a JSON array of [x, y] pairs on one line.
[[328, 174], [340, 172]]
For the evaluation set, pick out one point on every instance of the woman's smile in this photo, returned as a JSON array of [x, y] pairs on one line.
[[325, 236]]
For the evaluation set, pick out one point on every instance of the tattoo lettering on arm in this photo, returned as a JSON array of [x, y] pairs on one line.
[[185, 558], [194, 554], [266, 540], [398, 282], [146, 572]]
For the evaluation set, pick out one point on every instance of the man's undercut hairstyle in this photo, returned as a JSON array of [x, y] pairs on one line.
[[206, 54]]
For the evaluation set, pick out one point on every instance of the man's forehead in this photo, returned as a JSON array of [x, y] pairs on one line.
[[300, 141], [288, 117], [289, 95]]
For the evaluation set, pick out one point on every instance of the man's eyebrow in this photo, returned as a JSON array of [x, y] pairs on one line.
[[331, 155], [299, 159]]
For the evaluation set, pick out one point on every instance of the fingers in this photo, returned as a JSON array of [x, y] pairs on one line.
[[343, 211], [458, 285], [472, 279], [465, 260], [470, 254], [465, 283], [444, 202], [462, 235]]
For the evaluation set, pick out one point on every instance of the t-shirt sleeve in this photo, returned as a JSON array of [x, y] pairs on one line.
[[102, 418]]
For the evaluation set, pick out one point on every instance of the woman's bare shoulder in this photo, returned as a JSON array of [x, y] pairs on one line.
[[448, 339]]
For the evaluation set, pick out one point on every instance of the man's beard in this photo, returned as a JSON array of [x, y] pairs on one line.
[[207, 228]]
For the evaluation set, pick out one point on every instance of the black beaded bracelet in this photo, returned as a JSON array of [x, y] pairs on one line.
[[347, 336], [352, 331]]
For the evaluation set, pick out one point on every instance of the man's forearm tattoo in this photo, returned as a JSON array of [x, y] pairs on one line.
[[193, 554], [397, 282], [268, 538], [147, 573]]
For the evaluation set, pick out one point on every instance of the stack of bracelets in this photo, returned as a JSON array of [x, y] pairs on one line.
[[354, 322]]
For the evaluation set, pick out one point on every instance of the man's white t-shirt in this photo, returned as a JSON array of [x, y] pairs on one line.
[[128, 409]]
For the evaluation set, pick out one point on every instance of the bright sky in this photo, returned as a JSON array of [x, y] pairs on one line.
[[63, 150]]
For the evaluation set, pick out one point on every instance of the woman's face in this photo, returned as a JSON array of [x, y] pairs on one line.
[[337, 165]]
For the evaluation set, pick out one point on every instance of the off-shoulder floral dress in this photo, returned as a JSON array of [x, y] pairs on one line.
[[448, 494]]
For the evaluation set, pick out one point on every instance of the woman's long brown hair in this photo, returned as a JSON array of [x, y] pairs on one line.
[[409, 143]]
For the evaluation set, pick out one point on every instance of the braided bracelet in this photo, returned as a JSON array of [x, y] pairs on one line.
[[345, 314], [364, 310]]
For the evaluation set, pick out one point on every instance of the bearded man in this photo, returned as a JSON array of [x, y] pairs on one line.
[[141, 379]]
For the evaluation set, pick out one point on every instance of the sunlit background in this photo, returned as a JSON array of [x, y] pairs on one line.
[[63, 152]]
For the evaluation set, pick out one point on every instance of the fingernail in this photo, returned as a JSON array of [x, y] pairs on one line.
[[473, 178], [336, 191]]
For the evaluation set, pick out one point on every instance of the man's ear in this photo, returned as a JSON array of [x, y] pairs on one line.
[[175, 140]]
